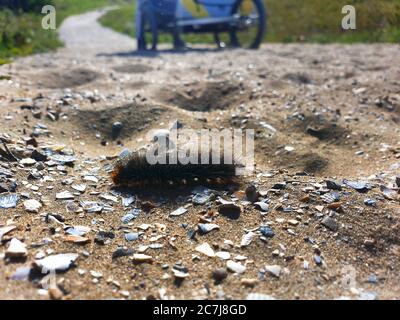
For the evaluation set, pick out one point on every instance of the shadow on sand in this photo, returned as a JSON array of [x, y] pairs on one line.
[[157, 53]]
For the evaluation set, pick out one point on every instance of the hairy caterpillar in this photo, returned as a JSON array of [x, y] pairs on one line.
[[135, 171]]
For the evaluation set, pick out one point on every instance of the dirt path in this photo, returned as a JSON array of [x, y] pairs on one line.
[[84, 33], [334, 111]]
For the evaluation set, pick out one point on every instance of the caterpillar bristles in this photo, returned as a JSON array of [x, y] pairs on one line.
[[134, 171]]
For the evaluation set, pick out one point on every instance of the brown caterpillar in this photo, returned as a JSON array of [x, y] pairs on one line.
[[135, 171]]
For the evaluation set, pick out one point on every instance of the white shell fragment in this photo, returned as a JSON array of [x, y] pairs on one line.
[[32, 205], [63, 158], [91, 179], [259, 296], [91, 206], [58, 262], [178, 212], [28, 162], [247, 239], [224, 255], [262, 206], [205, 249], [180, 274], [64, 195], [16, 249], [274, 270], [79, 187], [235, 266], [109, 197], [207, 227], [6, 229], [78, 230]]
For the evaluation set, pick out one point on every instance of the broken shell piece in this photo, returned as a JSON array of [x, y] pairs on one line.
[[63, 158], [16, 249], [178, 212], [78, 230], [224, 255], [27, 162], [235, 266], [8, 201], [206, 250], [133, 214], [76, 239], [109, 197], [274, 270], [207, 227], [389, 193], [79, 187], [64, 195], [247, 239], [259, 296], [262, 206], [141, 258], [180, 274], [32, 205], [5, 230], [58, 262]]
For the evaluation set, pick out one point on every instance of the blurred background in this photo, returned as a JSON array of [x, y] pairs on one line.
[[316, 21]]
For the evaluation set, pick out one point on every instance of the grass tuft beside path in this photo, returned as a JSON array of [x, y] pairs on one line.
[[21, 31]]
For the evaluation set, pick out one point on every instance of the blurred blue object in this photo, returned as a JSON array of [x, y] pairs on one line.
[[215, 16]]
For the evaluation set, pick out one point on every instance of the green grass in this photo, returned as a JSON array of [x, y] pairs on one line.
[[67, 8], [315, 21], [22, 34]]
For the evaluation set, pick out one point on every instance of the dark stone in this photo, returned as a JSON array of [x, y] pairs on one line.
[[318, 133], [32, 141], [230, 210], [122, 252], [116, 129], [147, 206], [330, 223], [38, 156], [10, 186], [102, 236], [3, 188], [279, 186], [219, 275], [332, 185], [251, 193]]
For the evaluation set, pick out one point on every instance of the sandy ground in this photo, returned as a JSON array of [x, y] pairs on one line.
[[335, 114]]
